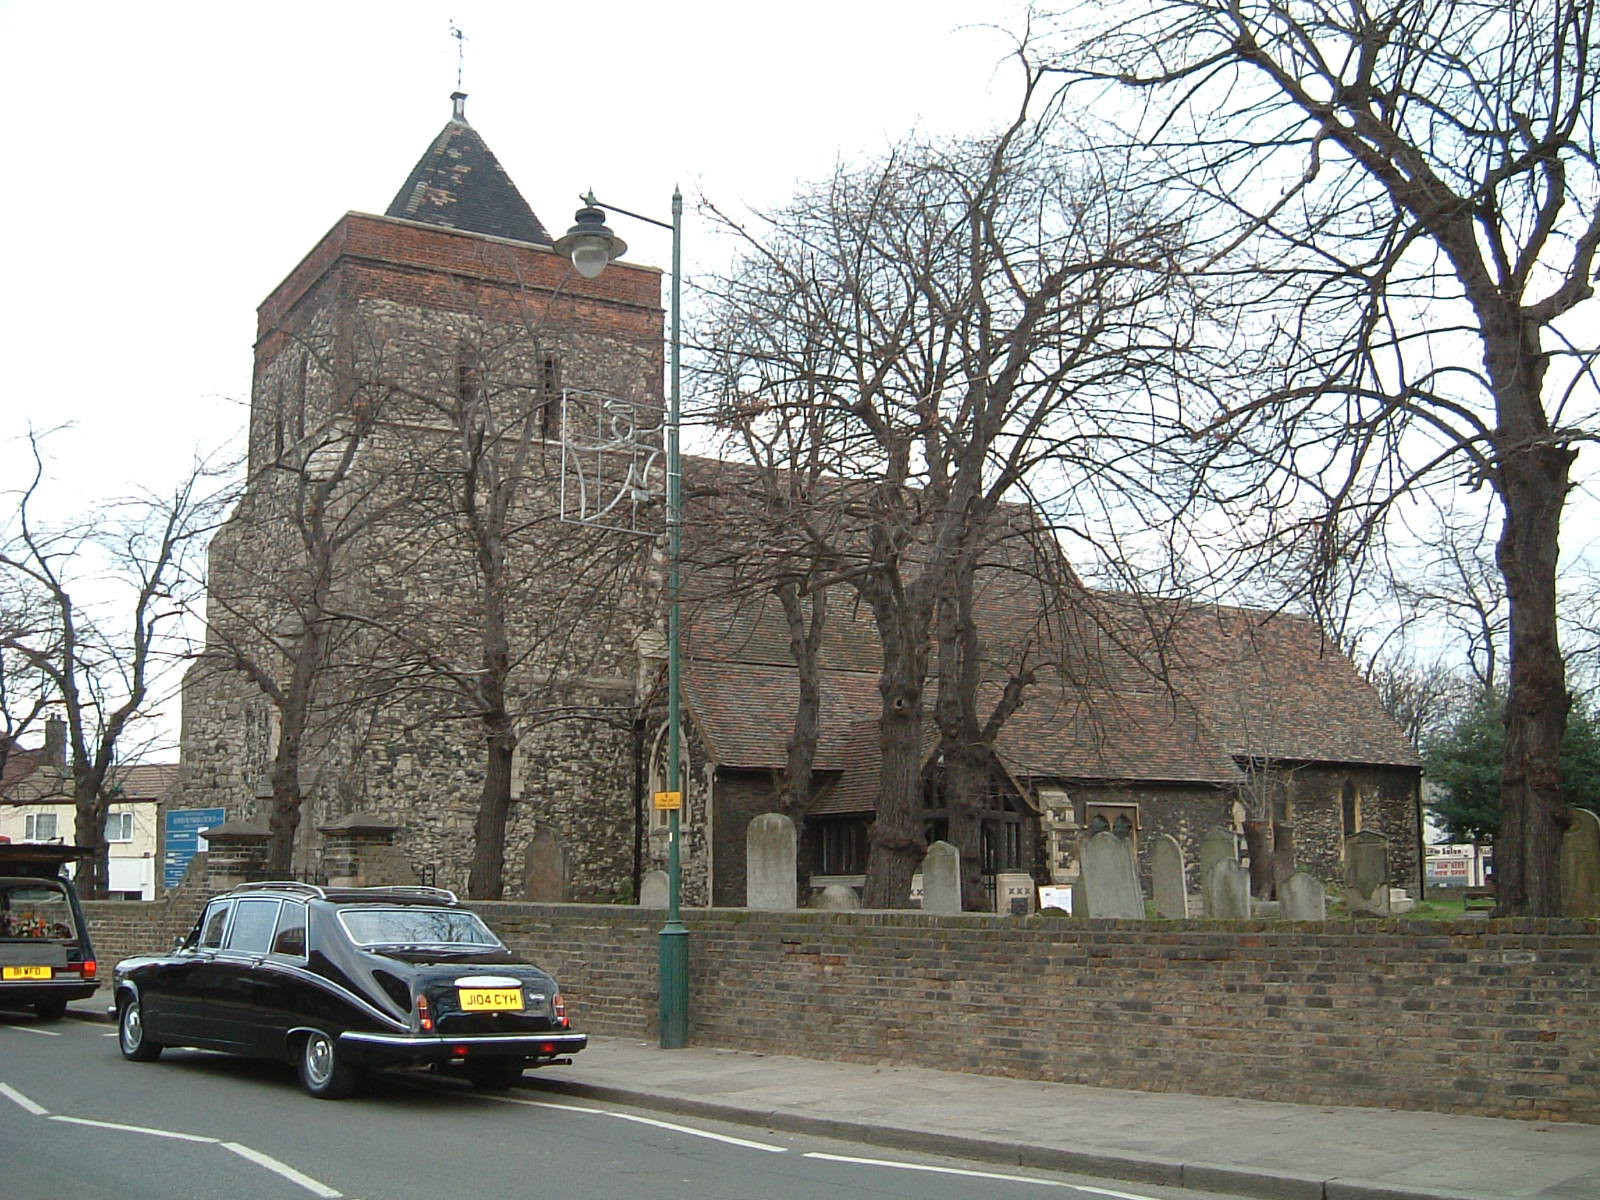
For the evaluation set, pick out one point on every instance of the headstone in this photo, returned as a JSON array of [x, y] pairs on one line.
[[769, 865], [653, 889], [1166, 878], [1366, 874], [544, 876], [1110, 883], [1303, 897], [836, 898], [941, 879], [1217, 844], [1225, 890], [1580, 866]]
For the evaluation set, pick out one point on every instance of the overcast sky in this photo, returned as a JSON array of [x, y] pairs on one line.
[[170, 163]]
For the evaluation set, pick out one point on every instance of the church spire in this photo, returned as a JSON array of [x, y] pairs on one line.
[[459, 184]]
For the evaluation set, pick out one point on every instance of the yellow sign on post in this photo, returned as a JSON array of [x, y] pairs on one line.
[[669, 800]]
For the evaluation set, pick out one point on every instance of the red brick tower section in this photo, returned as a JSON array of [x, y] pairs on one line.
[[493, 281]]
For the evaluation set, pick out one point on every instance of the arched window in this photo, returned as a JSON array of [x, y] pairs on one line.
[[661, 818]]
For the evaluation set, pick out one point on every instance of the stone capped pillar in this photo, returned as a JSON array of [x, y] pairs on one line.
[[237, 853], [357, 852]]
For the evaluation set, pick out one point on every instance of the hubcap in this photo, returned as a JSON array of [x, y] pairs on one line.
[[319, 1058], [131, 1030]]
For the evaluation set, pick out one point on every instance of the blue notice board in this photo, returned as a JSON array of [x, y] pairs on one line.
[[184, 827]]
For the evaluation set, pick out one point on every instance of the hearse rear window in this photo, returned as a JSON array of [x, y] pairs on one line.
[[415, 927], [33, 910]]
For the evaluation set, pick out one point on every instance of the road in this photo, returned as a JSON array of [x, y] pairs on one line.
[[77, 1121]]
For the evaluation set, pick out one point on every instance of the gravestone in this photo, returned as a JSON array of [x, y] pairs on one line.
[[1217, 844], [769, 847], [654, 889], [1303, 898], [1109, 886], [836, 898], [545, 874], [1366, 874], [1166, 878], [1225, 891], [941, 879], [1580, 866]]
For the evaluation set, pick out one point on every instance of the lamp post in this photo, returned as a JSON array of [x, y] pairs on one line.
[[591, 246]]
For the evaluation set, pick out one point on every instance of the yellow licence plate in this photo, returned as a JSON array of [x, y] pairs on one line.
[[29, 973], [491, 999]]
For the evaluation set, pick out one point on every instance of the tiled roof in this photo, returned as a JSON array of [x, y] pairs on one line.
[[1272, 685], [1243, 683], [138, 781], [460, 184], [1127, 689]]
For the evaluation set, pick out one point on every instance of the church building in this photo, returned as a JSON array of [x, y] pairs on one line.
[[443, 584]]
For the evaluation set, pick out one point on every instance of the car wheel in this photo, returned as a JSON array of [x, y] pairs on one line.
[[322, 1073], [495, 1074], [50, 1010], [131, 1039]]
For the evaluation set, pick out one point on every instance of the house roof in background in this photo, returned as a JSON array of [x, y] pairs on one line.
[[140, 783]]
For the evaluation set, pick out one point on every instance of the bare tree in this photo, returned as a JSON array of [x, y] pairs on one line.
[[1395, 187], [101, 642], [525, 606], [284, 610], [933, 331]]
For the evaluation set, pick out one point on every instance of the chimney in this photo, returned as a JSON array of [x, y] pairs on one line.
[[55, 743]]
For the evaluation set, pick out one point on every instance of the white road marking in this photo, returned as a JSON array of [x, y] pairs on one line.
[[700, 1133], [283, 1169], [165, 1133], [905, 1166], [21, 1101], [31, 1029], [669, 1125]]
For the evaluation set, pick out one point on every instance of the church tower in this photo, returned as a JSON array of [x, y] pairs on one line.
[[400, 622]]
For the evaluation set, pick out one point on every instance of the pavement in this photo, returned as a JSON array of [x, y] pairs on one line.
[[1207, 1143]]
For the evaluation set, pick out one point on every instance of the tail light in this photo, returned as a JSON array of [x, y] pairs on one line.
[[558, 1007], [424, 1016], [89, 968]]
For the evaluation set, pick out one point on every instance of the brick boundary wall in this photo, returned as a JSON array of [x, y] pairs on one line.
[[1487, 1018]]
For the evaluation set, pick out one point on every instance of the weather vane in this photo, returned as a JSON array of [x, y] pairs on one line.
[[461, 50]]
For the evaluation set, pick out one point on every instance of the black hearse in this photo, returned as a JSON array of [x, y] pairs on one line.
[[45, 955], [340, 980]]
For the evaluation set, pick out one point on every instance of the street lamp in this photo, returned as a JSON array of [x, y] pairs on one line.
[[591, 246]]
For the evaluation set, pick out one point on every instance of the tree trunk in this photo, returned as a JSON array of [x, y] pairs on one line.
[[486, 879], [896, 844], [1532, 480], [1282, 854], [1533, 815], [800, 752], [1255, 842]]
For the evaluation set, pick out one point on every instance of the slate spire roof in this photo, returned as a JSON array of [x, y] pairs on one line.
[[460, 184]]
